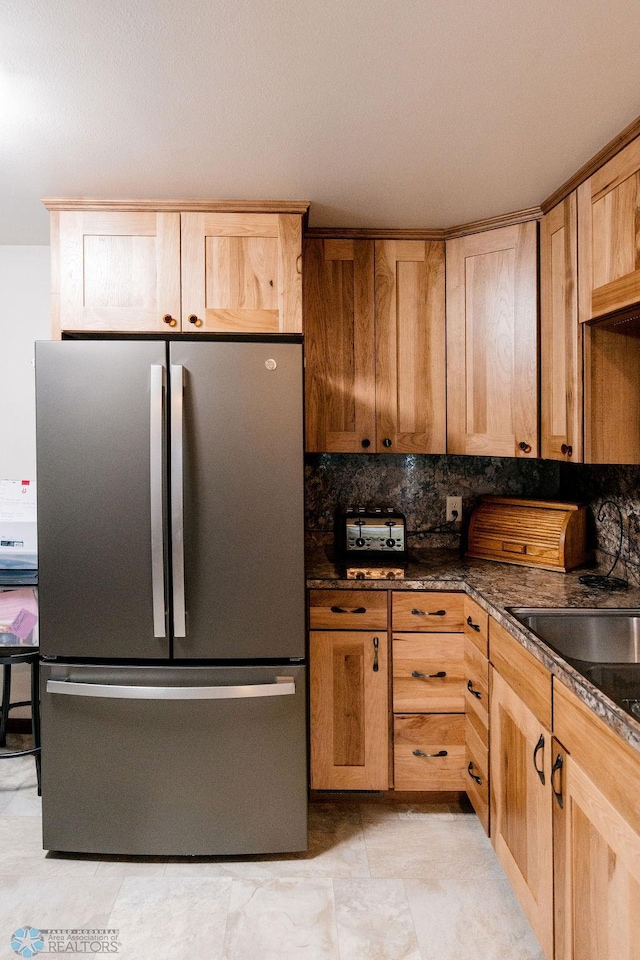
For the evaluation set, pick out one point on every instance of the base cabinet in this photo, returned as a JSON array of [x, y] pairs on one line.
[[349, 710]]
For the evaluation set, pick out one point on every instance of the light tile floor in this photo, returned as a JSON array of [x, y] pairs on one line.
[[380, 882]]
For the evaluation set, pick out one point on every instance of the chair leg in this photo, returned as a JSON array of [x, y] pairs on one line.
[[6, 702], [35, 718]]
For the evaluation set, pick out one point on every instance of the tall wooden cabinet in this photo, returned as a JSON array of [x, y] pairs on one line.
[[154, 265], [560, 334], [375, 344], [492, 388]]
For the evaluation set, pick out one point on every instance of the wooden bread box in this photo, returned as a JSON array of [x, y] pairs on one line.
[[533, 533]]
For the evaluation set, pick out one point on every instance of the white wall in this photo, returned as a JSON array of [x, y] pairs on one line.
[[24, 318]]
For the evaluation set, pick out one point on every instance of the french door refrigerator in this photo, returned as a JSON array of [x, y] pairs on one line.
[[170, 527]]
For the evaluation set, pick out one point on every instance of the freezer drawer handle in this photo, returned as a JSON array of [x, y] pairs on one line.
[[282, 687]]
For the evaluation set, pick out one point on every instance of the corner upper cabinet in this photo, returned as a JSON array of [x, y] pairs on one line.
[[608, 248], [375, 346], [131, 267], [492, 315], [560, 334]]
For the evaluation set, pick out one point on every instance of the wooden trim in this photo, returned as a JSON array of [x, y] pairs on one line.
[[619, 142], [56, 326], [373, 233], [177, 206], [494, 223], [432, 233]]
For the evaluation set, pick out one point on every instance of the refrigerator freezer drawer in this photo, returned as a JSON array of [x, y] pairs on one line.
[[174, 761]]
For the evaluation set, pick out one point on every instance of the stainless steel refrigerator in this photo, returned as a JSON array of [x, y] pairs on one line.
[[172, 630]]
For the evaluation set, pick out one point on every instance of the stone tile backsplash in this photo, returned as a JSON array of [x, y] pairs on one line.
[[417, 485], [598, 485]]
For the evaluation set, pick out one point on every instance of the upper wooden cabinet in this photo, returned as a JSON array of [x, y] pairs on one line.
[[236, 270], [560, 334], [375, 346], [492, 389], [608, 248]]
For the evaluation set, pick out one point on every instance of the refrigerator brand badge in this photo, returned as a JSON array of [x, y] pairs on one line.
[[28, 941], [270, 364]]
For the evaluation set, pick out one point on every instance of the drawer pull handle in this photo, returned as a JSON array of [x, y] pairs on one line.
[[428, 613], [472, 775], [376, 644], [344, 610], [440, 753], [474, 693], [538, 747], [557, 767], [525, 447], [474, 626], [428, 676], [566, 449]]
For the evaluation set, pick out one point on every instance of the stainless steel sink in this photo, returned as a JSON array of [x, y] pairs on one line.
[[603, 645], [597, 636]]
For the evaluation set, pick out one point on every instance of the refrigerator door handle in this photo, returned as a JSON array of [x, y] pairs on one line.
[[281, 687], [177, 499], [156, 471]]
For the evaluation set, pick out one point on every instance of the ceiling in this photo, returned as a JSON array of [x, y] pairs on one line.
[[383, 113]]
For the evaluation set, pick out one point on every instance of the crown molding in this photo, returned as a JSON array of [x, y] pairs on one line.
[[300, 207]]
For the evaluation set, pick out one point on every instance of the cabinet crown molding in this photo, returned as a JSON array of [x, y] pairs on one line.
[[56, 204]]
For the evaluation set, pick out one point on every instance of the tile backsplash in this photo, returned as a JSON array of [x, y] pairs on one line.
[[613, 493], [417, 485]]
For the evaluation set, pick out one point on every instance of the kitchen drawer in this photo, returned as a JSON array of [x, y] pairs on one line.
[[476, 625], [427, 611], [476, 690], [348, 609], [477, 776], [414, 736], [440, 653]]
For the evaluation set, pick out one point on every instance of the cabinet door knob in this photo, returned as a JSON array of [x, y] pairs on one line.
[[366, 442], [169, 320], [525, 447], [386, 442], [566, 449], [196, 321]]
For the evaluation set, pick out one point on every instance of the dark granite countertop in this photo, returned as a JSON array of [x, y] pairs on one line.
[[496, 587]]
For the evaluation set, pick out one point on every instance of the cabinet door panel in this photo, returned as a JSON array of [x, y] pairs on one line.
[[121, 271], [349, 711], [521, 816], [491, 343], [560, 334], [241, 272], [609, 236], [339, 346], [597, 872], [410, 347]]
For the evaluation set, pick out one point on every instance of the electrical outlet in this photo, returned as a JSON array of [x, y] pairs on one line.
[[454, 509]]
